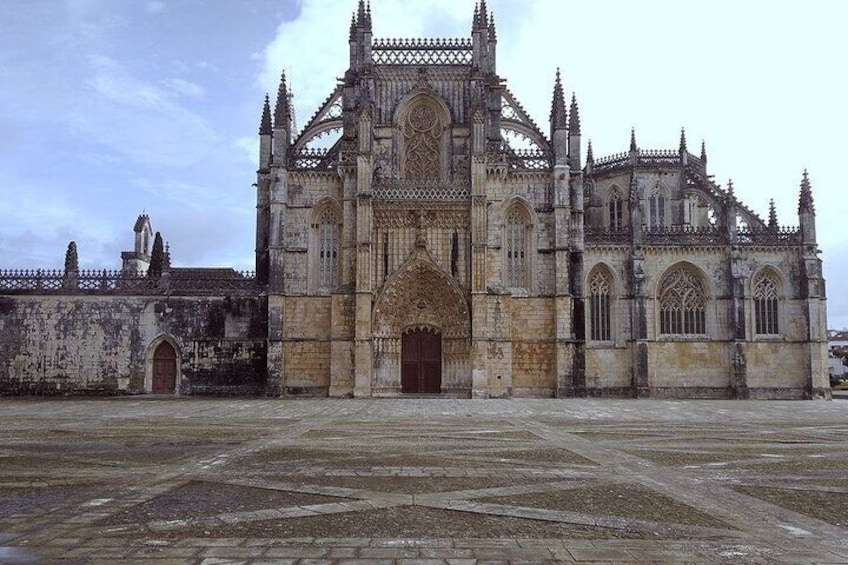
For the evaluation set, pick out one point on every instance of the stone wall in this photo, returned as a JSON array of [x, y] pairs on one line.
[[62, 344]]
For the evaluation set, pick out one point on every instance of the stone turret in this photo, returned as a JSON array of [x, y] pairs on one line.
[[574, 135], [139, 258], [265, 135], [807, 212], [559, 123], [282, 123]]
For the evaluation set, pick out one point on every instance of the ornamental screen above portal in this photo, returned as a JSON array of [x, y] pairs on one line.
[[422, 132]]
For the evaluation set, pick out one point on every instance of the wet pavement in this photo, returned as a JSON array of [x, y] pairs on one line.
[[255, 481]]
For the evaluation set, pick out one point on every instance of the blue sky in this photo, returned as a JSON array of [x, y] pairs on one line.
[[111, 107]]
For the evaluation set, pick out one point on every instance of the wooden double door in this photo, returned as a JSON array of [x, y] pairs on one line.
[[164, 369], [421, 362]]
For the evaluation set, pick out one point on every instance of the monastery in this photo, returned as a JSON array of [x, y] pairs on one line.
[[423, 236]]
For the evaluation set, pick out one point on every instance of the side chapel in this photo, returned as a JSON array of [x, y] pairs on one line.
[[444, 244]]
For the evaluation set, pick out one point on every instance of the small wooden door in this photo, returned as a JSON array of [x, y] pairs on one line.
[[164, 369], [421, 366]]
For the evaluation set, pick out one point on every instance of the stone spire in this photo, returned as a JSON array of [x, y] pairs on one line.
[[590, 158], [683, 140], [493, 36], [352, 33], [265, 124], [483, 16], [282, 111], [772, 217], [574, 124], [805, 198], [559, 117], [633, 147], [704, 152], [71, 258]]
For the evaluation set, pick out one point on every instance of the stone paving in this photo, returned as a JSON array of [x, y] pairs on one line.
[[420, 481]]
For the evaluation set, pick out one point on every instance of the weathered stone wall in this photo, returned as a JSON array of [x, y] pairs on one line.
[[104, 344]]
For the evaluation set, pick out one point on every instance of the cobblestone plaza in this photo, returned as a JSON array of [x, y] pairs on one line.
[[205, 481]]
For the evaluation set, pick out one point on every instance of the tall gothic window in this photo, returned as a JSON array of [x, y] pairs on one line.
[[615, 210], [328, 249], [682, 304], [600, 287], [422, 131], [765, 305], [516, 249], [656, 208]]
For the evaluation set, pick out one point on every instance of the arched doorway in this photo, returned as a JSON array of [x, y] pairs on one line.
[[164, 369], [421, 361]]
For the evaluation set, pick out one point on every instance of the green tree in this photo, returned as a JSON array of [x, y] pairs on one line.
[[157, 258]]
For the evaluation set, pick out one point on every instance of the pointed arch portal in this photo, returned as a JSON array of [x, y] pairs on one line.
[[164, 369], [422, 331]]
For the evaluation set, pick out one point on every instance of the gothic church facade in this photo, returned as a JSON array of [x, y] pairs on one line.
[[444, 244]]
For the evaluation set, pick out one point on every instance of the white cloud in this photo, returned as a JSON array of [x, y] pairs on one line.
[[184, 87]]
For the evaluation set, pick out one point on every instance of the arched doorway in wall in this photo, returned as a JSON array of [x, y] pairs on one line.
[[421, 360], [164, 369]]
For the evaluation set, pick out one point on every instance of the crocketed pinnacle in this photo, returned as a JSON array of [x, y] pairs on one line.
[[281, 109], [493, 36], [352, 35], [360, 13], [703, 152], [265, 124], [590, 158], [730, 190], [805, 199], [368, 16], [682, 140], [559, 117], [574, 113], [772, 219], [633, 147], [484, 15]]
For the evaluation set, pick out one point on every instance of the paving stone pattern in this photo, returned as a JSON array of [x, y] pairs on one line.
[[420, 481]]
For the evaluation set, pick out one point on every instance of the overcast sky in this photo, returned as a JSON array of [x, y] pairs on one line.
[[113, 107]]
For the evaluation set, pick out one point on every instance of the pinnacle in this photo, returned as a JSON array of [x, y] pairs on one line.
[[703, 152], [772, 217], [265, 124], [682, 140], [493, 36], [805, 199], [281, 109], [574, 124], [633, 146], [559, 116], [590, 158]]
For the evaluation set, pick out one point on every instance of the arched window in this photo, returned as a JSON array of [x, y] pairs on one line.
[[766, 290], [515, 244], [422, 131], [656, 208], [616, 216], [600, 291], [682, 303], [328, 249]]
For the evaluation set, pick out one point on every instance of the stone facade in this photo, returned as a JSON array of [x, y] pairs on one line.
[[441, 243]]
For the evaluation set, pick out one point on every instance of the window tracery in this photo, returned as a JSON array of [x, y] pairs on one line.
[[766, 317], [614, 205], [328, 249], [600, 286], [422, 130], [682, 304], [656, 208], [516, 249]]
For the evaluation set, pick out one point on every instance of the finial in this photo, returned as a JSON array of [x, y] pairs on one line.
[[772, 218], [281, 109], [574, 124], [590, 158], [265, 124], [559, 116], [360, 13], [805, 199], [683, 140], [633, 147], [703, 152]]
